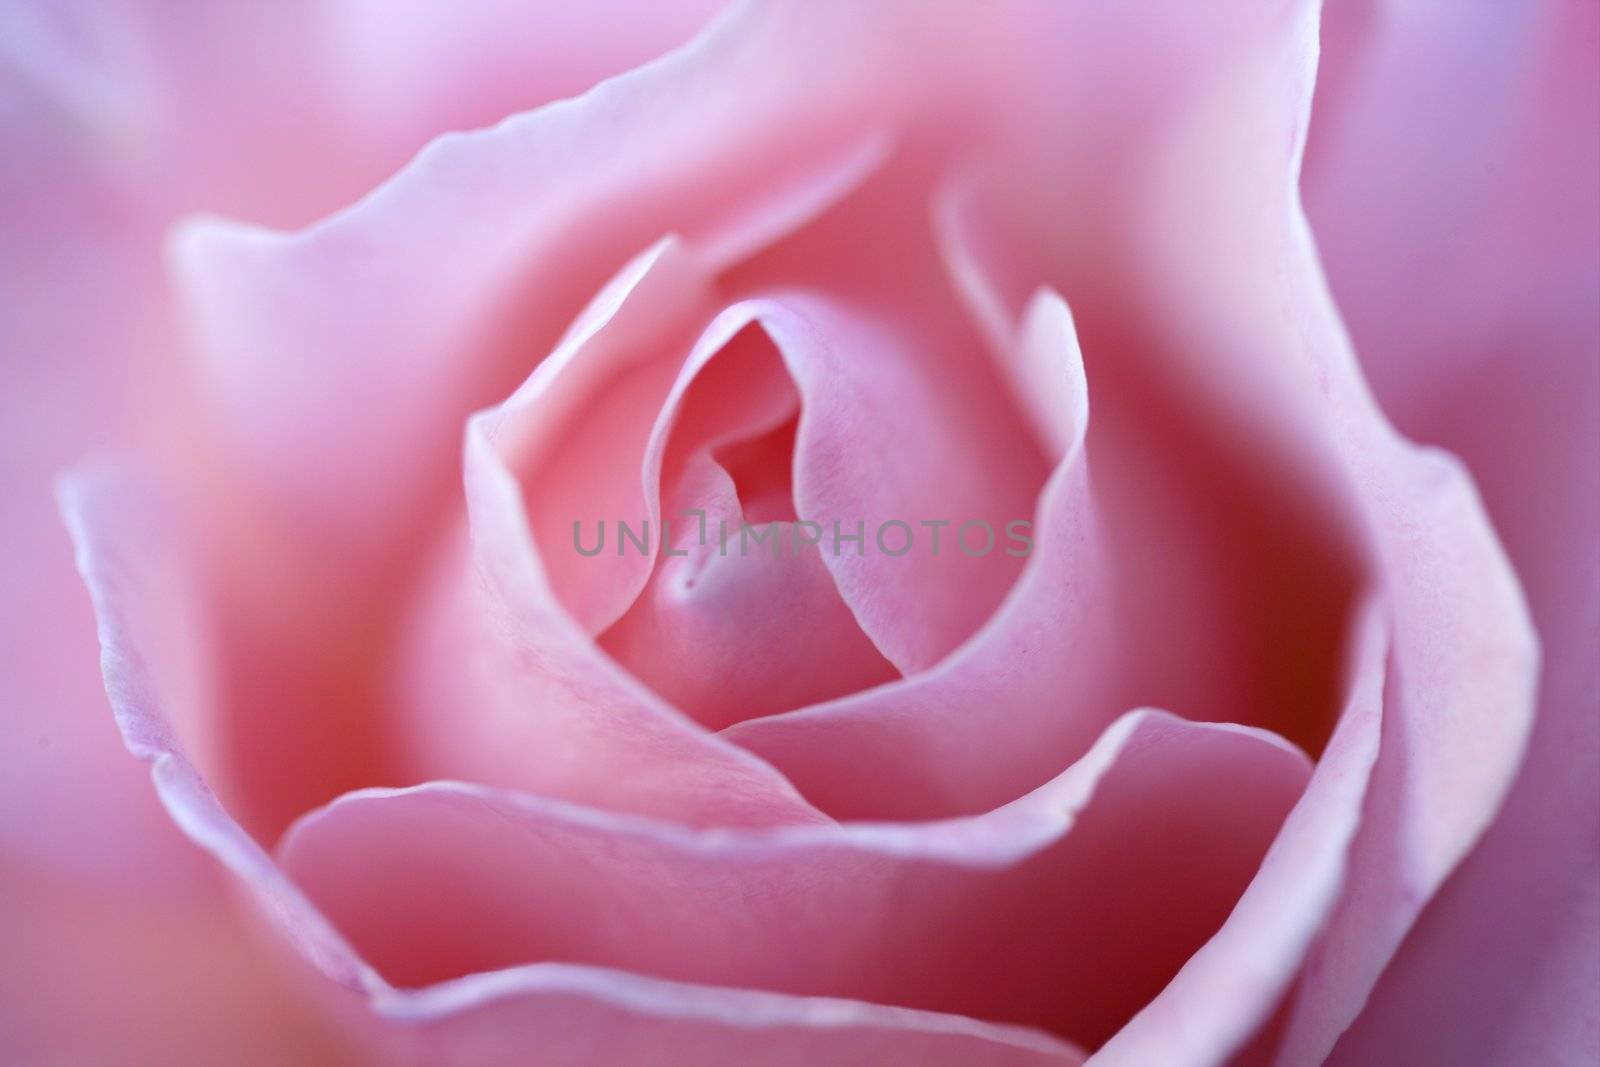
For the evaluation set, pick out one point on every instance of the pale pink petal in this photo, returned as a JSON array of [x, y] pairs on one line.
[[1452, 182], [1064, 910], [945, 448], [750, 633], [1463, 651], [578, 1016], [1208, 342], [1036, 353], [403, 72], [266, 301], [1236, 313], [1045, 371], [1211, 324], [304, 704], [583, 434], [1459, 698], [728, 627], [118, 946], [1214, 552], [156, 674]]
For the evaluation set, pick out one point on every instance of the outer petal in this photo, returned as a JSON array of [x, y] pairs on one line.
[[309, 320], [405, 72], [583, 1015], [1454, 182], [1460, 693], [1060, 910]]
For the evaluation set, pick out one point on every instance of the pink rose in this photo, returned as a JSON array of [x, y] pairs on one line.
[[861, 539]]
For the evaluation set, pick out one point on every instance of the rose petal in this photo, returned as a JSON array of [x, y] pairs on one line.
[[1225, 352], [323, 667], [728, 628], [1460, 690], [1232, 985], [584, 1015], [945, 450], [404, 72], [309, 320], [749, 633], [478, 745], [585, 425], [118, 946], [1091, 884], [1462, 254], [1463, 650]]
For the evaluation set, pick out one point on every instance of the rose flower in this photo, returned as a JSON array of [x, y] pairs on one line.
[[822, 532]]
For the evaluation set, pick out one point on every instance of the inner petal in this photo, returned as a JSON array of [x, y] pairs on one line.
[[740, 617], [762, 469], [914, 461]]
